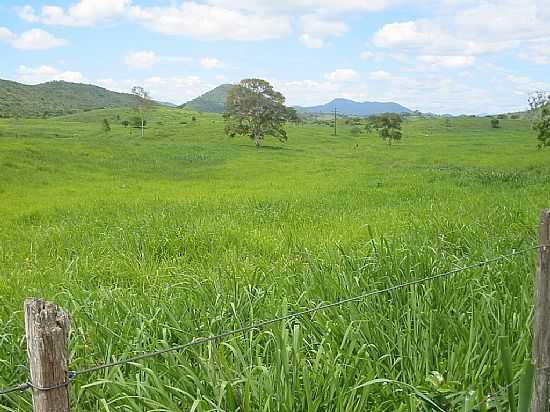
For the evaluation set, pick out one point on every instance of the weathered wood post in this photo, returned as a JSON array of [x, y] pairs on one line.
[[541, 339], [47, 332]]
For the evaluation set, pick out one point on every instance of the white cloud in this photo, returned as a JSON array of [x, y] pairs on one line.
[[448, 62], [210, 22], [537, 52], [471, 29], [523, 85], [311, 42], [380, 75], [176, 89], [316, 29], [211, 63], [34, 39], [83, 13], [342, 75], [6, 34], [322, 6], [41, 74], [141, 59]]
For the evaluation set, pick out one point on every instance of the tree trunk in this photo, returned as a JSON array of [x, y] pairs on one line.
[[257, 141]]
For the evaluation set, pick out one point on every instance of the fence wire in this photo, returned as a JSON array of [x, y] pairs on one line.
[[259, 325]]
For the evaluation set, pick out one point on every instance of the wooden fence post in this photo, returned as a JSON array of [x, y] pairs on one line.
[[541, 339], [47, 332]]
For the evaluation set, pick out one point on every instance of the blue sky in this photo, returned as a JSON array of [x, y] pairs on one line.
[[445, 56]]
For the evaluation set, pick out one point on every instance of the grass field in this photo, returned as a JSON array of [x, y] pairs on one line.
[[151, 242]]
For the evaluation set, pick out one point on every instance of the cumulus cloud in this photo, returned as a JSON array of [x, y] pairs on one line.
[[448, 62], [210, 63], [316, 29], [177, 89], [342, 75], [322, 6], [45, 73], [211, 22], [380, 75], [6, 34], [311, 42], [34, 39], [141, 59], [474, 29], [537, 52], [82, 13]]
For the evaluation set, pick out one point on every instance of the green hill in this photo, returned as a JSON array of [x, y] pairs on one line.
[[211, 102], [56, 98]]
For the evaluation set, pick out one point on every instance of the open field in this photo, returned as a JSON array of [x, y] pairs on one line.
[[151, 242]]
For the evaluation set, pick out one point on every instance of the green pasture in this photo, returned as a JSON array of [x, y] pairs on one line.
[[152, 242]]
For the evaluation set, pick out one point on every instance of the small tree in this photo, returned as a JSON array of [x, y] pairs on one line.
[[495, 123], [143, 105], [125, 123], [138, 122], [253, 108], [540, 112], [105, 126], [388, 126]]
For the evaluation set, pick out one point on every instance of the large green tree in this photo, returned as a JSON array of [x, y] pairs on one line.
[[253, 108], [387, 125], [540, 110]]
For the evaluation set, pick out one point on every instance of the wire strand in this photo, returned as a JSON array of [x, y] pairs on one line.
[[264, 323]]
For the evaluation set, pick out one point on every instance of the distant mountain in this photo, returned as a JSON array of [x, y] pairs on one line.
[[212, 101], [353, 108], [56, 98]]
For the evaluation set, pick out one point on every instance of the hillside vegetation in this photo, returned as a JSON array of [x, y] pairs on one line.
[[56, 98], [153, 242], [212, 101]]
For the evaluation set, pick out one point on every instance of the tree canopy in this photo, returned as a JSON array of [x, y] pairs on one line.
[[253, 108], [540, 108], [387, 125]]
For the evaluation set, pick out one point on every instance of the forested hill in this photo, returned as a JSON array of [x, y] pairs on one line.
[[56, 98], [212, 101]]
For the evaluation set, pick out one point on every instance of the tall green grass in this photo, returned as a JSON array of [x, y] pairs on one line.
[[149, 243]]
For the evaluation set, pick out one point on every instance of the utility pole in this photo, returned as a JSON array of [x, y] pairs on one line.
[[334, 120]]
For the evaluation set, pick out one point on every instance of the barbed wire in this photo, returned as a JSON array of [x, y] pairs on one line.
[[259, 325], [494, 395]]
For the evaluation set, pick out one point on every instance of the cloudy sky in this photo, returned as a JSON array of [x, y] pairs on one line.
[[444, 56]]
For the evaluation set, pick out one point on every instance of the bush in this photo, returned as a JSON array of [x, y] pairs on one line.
[[495, 123], [355, 131]]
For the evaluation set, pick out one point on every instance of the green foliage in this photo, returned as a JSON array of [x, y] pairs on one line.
[[125, 123], [135, 122], [388, 126], [495, 123], [355, 131], [540, 107], [253, 108], [56, 98], [150, 243], [105, 126], [501, 116], [210, 102]]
